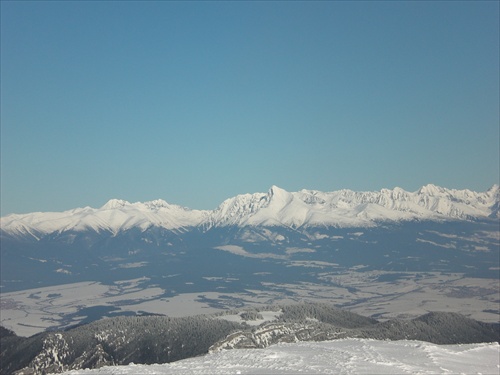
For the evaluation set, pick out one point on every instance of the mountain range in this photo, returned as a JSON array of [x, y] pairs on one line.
[[277, 207], [384, 254]]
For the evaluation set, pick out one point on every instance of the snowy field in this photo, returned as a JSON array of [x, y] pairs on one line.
[[349, 356]]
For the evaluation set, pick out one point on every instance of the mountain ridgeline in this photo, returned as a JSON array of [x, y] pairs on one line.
[[160, 339], [277, 207]]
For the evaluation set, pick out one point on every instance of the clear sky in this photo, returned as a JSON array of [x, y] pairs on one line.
[[196, 102]]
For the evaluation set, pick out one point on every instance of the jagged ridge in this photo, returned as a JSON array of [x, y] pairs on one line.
[[277, 207]]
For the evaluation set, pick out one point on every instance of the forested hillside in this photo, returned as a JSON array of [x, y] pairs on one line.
[[161, 339]]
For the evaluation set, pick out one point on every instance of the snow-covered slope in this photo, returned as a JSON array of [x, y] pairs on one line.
[[115, 216], [277, 207], [347, 356], [350, 208]]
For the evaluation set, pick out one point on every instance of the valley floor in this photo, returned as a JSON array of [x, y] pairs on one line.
[[380, 294]]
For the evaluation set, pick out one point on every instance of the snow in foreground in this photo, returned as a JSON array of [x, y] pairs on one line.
[[349, 356]]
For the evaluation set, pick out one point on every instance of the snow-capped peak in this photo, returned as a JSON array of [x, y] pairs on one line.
[[279, 196], [277, 191], [493, 191], [157, 204], [431, 189], [115, 203]]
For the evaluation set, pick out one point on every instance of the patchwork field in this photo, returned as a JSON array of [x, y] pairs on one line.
[[378, 294]]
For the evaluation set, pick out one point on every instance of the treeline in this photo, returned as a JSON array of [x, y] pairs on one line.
[[326, 314], [436, 327]]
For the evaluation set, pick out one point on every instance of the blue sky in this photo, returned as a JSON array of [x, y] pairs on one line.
[[195, 102]]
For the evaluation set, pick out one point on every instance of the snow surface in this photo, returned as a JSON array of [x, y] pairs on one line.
[[343, 208], [114, 216], [347, 356]]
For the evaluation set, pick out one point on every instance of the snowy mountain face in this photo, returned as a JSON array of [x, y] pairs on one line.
[[346, 208], [277, 207], [115, 216]]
